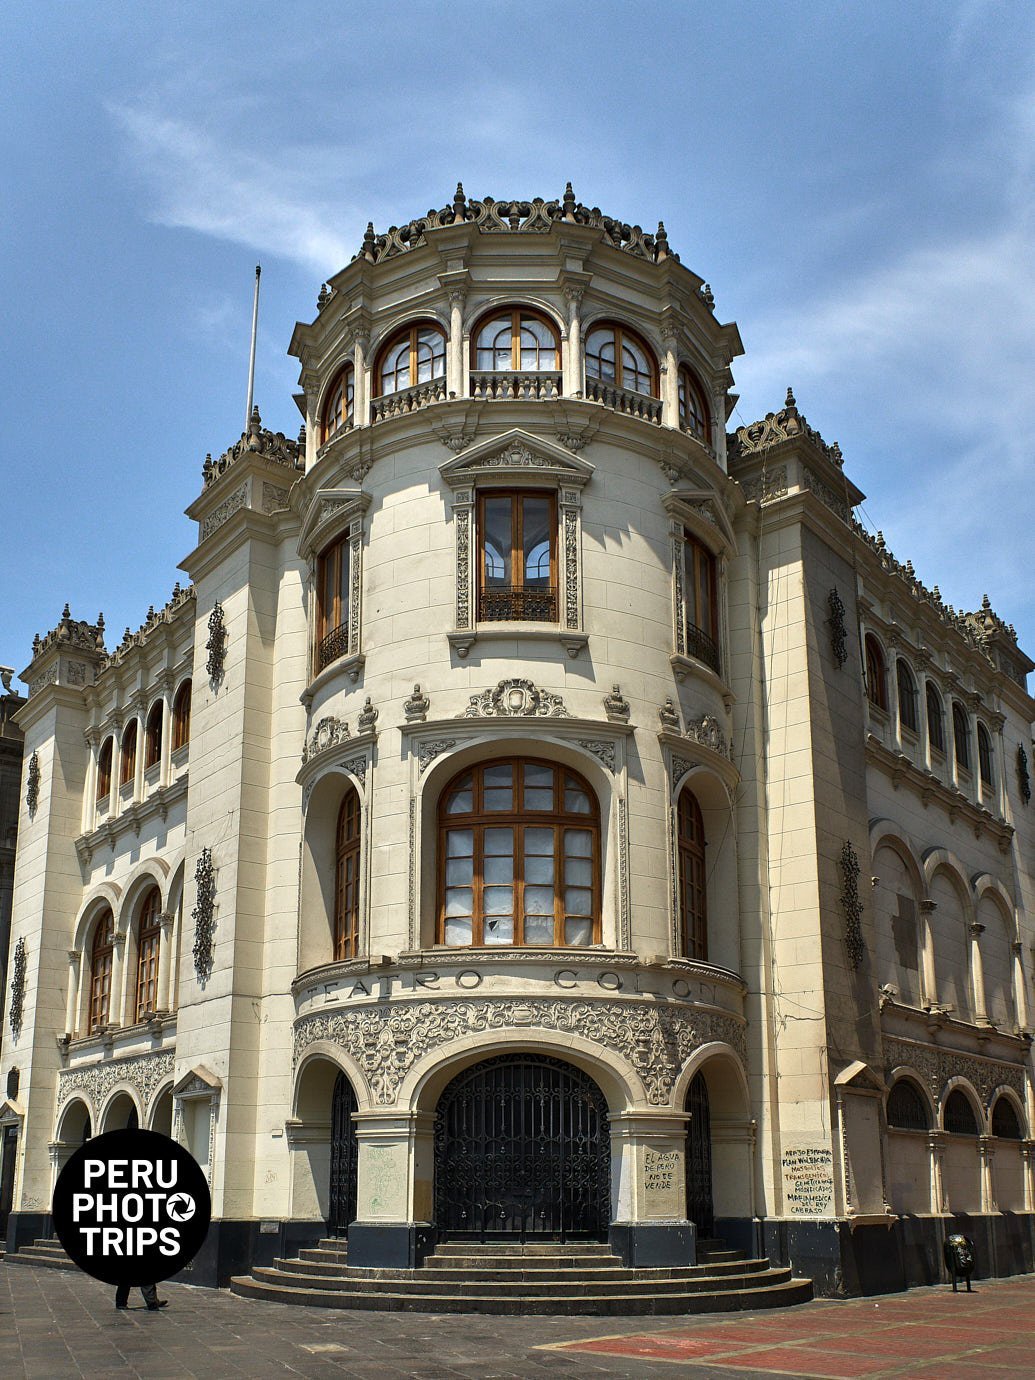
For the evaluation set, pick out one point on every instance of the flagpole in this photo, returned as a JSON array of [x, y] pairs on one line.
[[251, 360]]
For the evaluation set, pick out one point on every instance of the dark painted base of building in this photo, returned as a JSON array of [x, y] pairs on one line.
[[23, 1228], [235, 1248], [844, 1259], [643, 1244]]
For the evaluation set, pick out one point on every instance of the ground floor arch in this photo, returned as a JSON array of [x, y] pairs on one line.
[[162, 1112], [120, 1114], [323, 1139]]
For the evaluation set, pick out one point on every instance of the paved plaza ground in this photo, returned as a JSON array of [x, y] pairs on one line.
[[56, 1324]]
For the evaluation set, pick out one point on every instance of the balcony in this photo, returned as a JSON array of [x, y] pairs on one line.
[[407, 400], [624, 400], [703, 647], [334, 646], [514, 604], [531, 386]]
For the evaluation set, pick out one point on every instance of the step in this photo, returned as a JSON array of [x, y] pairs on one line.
[[577, 1287], [320, 1253], [479, 1275], [579, 1248], [51, 1257], [503, 1261], [614, 1303], [717, 1255]]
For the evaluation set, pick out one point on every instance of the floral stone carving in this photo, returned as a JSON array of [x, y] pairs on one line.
[[19, 967], [145, 1073], [707, 731], [203, 914], [32, 785], [386, 1041], [515, 698], [216, 644], [851, 904], [936, 1066], [328, 733]]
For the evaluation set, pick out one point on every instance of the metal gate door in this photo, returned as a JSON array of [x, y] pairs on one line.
[[522, 1149], [699, 1207], [8, 1147], [344, 1158]]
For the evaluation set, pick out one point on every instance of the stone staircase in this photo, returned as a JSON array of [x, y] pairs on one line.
[[544, 1277], [47, 1251]]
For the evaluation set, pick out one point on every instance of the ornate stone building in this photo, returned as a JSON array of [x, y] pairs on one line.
[[543, 814]]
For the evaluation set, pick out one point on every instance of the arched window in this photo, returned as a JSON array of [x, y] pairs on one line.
[[332, 603], [149, 938], [153, 735], [616, 355], [338, 409], [1005, 1123], [516, 339], [907, 705], [519, 856], [876, 678], [701, 604], [128, 756], [346, 892], [693, 410], [985, 757], [181, 716], [104, 768], [517, 548], [959, 1115], [935, 719], [693, 897], [415, 355], [101, 953], [907, 1109], [961, 735]]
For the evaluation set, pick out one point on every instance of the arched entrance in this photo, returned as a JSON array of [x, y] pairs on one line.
[[699, 1203], [344, 1158], [522, 1149]]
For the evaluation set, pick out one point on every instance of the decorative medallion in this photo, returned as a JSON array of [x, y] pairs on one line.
[[515, 698], [707, 731], [203, 914]]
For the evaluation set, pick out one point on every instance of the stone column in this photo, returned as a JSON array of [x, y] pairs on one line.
[[393, 1228], [117, 993], [90, 788], [138, 770], [75, 963], [936, 1147], [718, 402], [928, 977], [975, 756], [573, 384], [363, 384], [925, 728], [978, 970], [670, 382], [1028, 1172], [116, 769], [648, 1189], [456, 374], [1020, 991], [986, 1149], [165, 961], [165, 757]]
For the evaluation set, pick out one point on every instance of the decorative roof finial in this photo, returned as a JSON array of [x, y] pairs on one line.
[[301, 437], [707, 296], [568, 202], [661, 242], [324, 297], [790, 400], [459, 205], [986, 603], [66, 612], [368, 242]]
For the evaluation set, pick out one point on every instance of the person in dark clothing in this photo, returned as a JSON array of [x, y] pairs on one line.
[[150, 1293]]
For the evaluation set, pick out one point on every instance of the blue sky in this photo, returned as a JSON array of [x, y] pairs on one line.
[[854, 180]]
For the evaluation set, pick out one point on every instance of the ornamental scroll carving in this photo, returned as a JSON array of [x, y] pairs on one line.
[[851, 904], [32, 786], [216, 644], [515, 698], [224, 512], [19, 966], [707, 731], [386, 1041], [838, 631], [145, 1073], [203, 914], [329, 733], [936, 1066]]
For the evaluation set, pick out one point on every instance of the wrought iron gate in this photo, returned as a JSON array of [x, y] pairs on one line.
[[344, 1158], [522, 1149], [699, 1207]]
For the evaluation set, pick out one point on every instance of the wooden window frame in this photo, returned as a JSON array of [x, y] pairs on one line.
[[935, 715], [693, 882], [688, 384], [517, 559], [518, 819], [411, 331], [128, 753], [961, 737], [102, 959], [701, 562], [332, 622], [348, 405], [516, 314], [908, 704], [149, 942], [876, 673], [986, 757], [181, 716], [105, 762], [153, 734], [621, 334], [347, 847]]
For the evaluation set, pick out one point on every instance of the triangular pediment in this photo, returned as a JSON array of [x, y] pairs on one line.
[[516, 452], [11, 1110], [198, 1082], [701, 508], [860, 1078]]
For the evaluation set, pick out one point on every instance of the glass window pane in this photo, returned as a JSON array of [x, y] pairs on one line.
[[395, 372], [460, 871], [496, 540], [459, 901], [538, 781], [458, 931], [577, 901], [459, 843], [539, 870], [539, 929], [576, 801], [461, 798], [578, 871], [537, 774], [578, 843], [499, 842], [498, 900], [498, 929], [539, 841], [496, 869], [538, 900], [498, 793], [578, 931], [536, 539]]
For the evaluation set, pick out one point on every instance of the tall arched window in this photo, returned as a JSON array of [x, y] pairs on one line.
[[128, 756], [935, 719], [153, 735], [101, 957], [181, 716], [346, 891], [693, 409], [519, 856], [961, 735], [104, 761], [701, 602], [516, 339], [959, 1115], [149, 938], [907, 1109], [616, 355], [693, 897], [1005, 1123], [417, 354], [876, 676], [985, 757], [907, 705], [332, 602], [338, 409]]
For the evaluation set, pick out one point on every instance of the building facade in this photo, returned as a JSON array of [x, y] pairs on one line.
[[543, 813]]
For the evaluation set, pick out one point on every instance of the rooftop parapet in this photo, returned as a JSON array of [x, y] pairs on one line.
[[68, 655], [274, 445], [155, 619], [785, 425]]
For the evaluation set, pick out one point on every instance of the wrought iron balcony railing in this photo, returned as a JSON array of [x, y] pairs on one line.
[[332, 647], [511, 604], [407, 400], [703, 647], [527, 385], [624, 400]]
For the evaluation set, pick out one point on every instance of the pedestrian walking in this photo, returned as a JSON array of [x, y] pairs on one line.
[[150, 1293]]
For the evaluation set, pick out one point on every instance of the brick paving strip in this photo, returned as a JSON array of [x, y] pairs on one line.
[[927, 1332]]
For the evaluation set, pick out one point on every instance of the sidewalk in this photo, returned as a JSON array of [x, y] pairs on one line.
[[57, 1324]]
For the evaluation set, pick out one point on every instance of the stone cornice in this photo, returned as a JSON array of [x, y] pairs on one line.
[[157, 804]]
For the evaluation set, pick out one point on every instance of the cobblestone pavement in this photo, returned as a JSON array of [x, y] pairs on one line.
[[56, 1324]]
